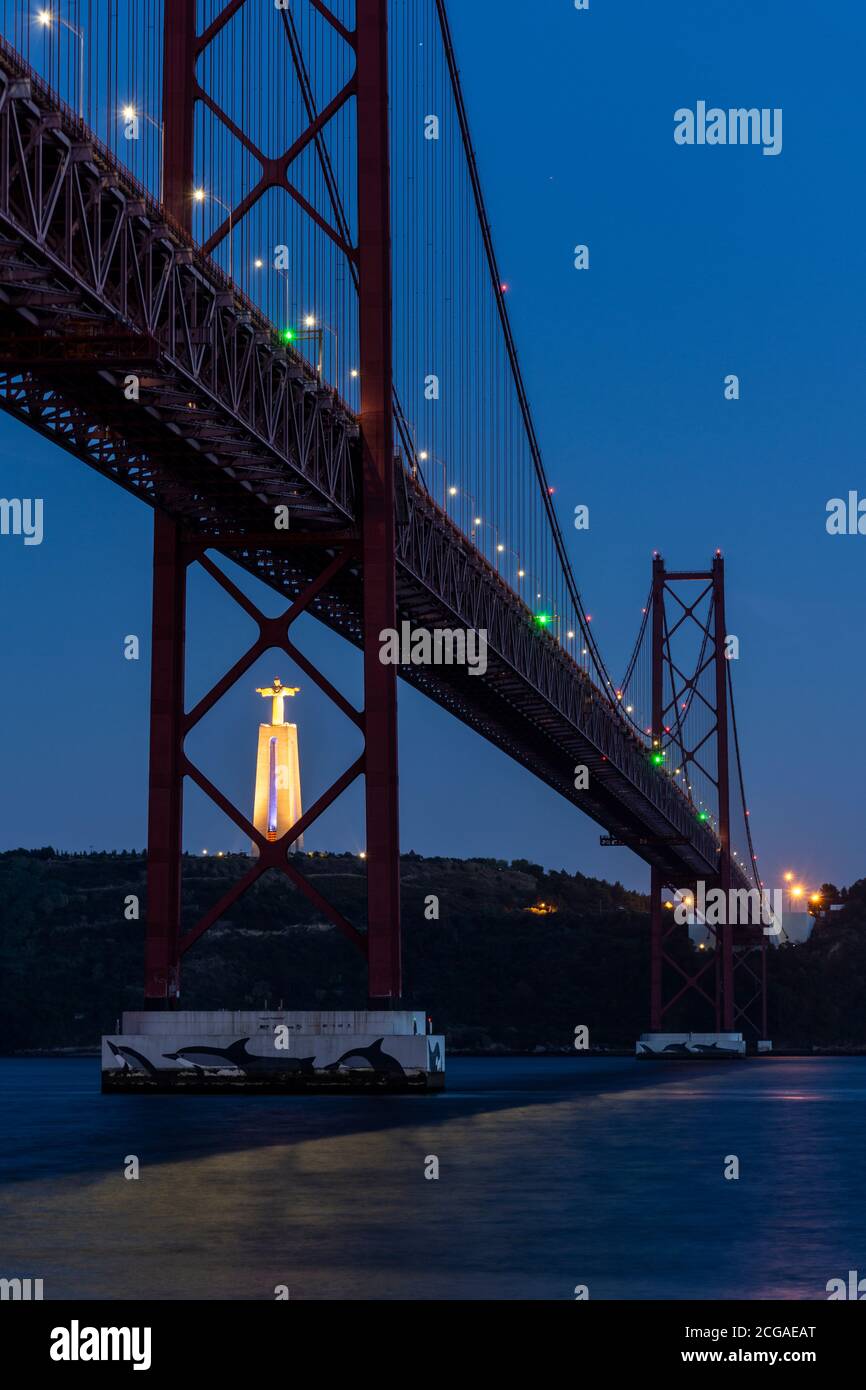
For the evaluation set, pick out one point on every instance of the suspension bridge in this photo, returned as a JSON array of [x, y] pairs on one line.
[[247, 271]]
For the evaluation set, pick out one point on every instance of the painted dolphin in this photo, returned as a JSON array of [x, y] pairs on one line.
[[236, 1055], [132, 1060], [374, 1057]]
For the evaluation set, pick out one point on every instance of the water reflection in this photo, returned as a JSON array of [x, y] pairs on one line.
[[553, 1172]]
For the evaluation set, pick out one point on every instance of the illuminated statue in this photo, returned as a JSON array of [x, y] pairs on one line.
[[277, 804], [278, 693]]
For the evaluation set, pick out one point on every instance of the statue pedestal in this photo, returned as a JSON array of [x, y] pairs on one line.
[[277, 804]]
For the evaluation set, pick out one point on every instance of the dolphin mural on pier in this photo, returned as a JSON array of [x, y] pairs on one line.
[[236, 1055], [374, 1057]]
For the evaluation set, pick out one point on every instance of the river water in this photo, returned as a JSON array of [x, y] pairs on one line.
[[553, 1173]]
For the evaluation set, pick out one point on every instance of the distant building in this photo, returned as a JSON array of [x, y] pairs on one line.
[[825, 919], [798, 925]]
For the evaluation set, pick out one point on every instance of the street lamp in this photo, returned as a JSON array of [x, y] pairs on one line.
[[200, 196], [129, 113], [478, 523], [288, 280], [318, 331], [446, 490], [46, 19], [287, 335]]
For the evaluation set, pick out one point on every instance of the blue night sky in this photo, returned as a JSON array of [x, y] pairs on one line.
[[704, 261]]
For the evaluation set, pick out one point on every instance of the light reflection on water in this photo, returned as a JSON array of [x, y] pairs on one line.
[[553, 1172]]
